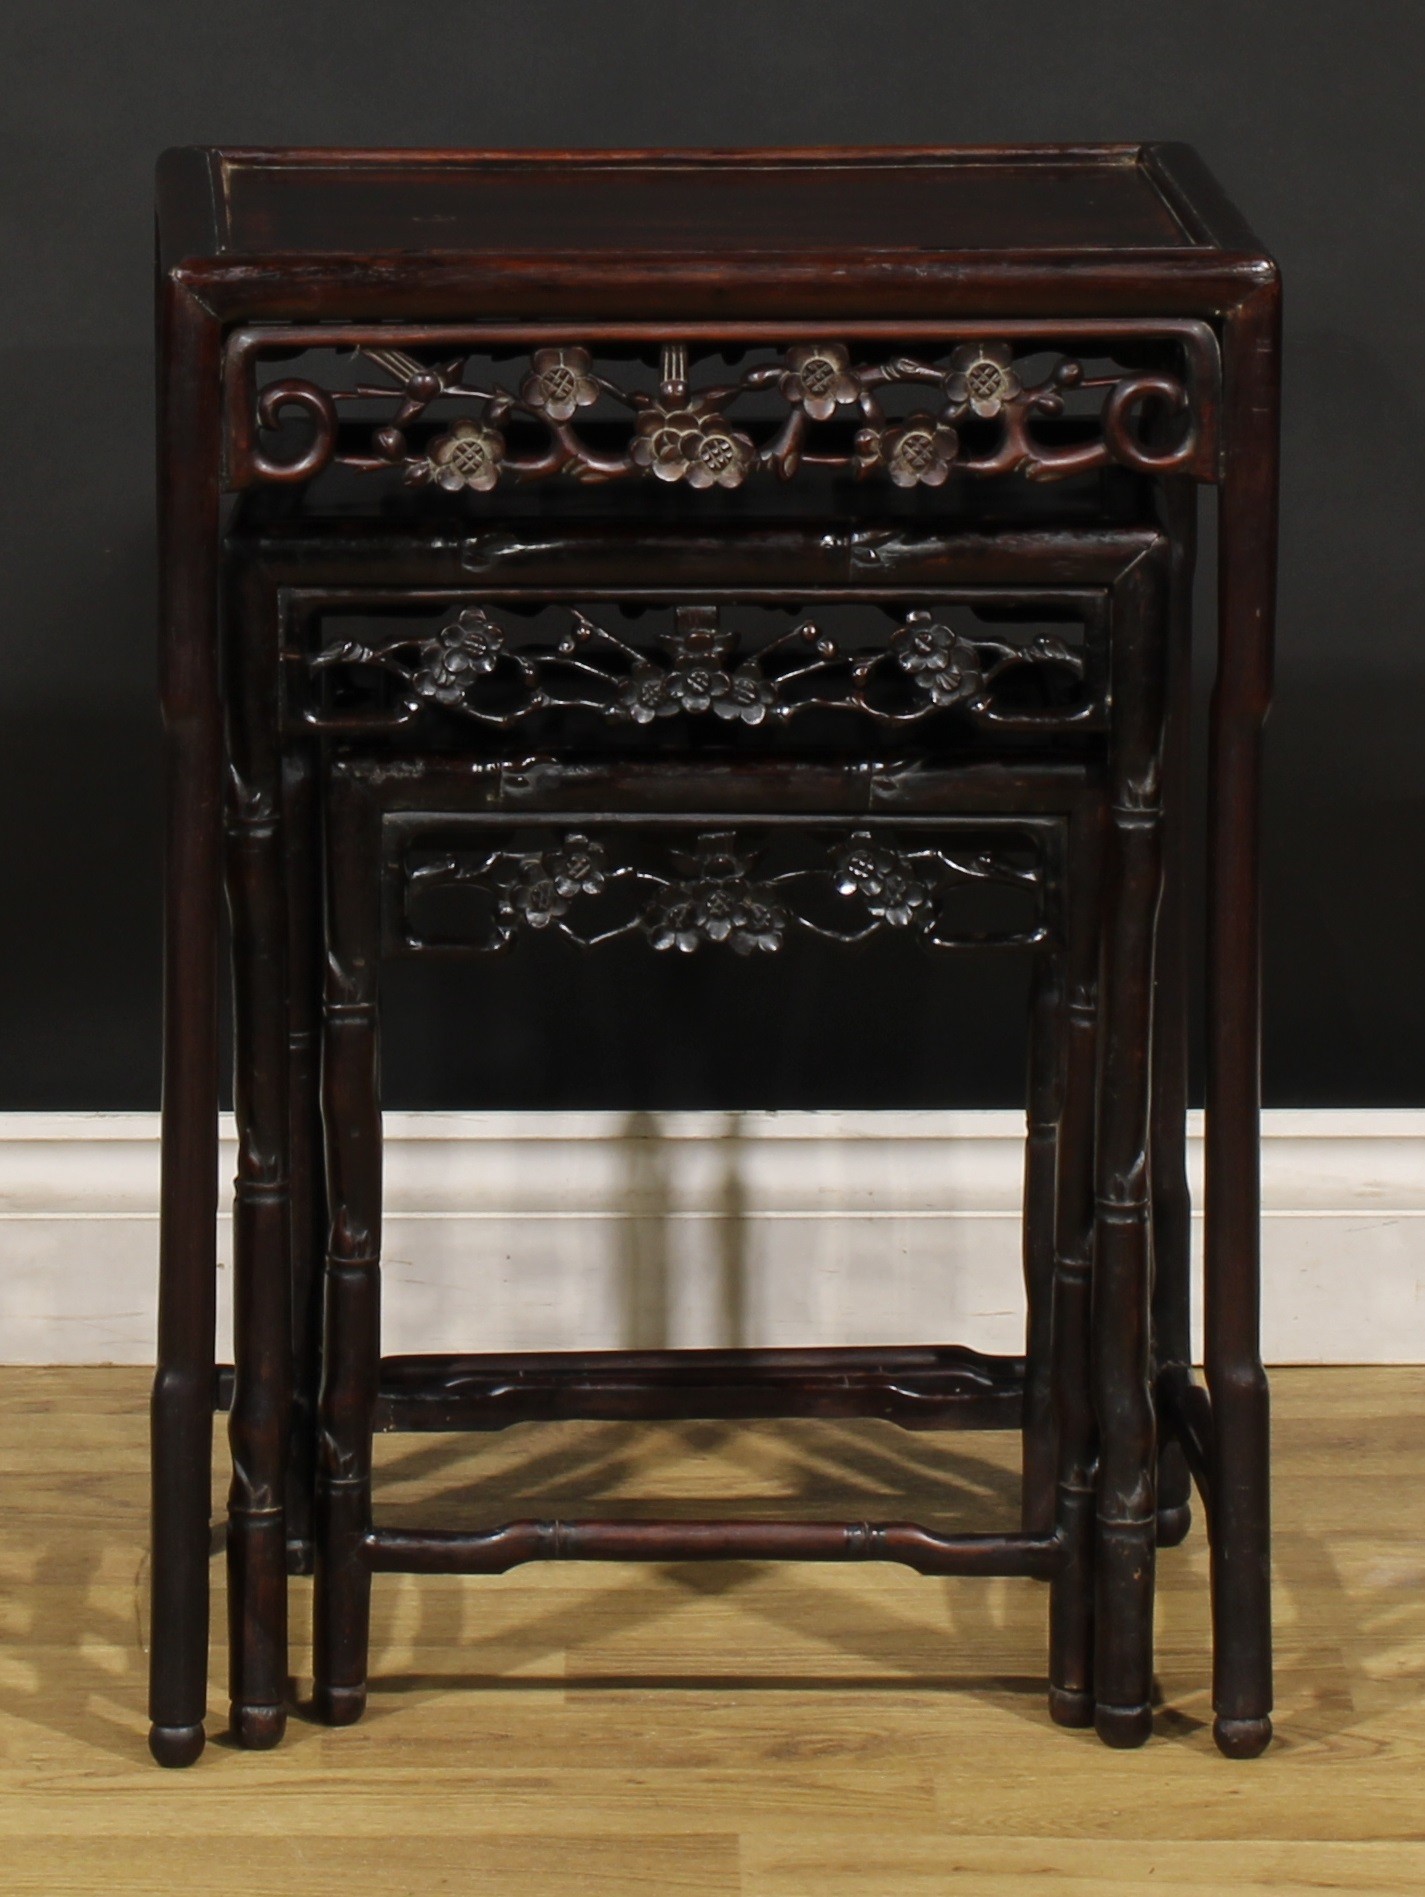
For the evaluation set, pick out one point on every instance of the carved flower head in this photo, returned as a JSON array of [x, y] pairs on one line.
[[681, 445], [982, 376], [864, 865], [885, 880], [462, 651], [534, 899], [943, 665], [919, 451], [644, 696], [697, 688], [559, 382], [717, 902], [819, 377], [903, 902], [469, 456], [748, 698], [688, 914], [578, 867], [756, 925]]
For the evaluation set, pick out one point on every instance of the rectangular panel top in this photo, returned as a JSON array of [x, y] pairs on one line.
[[897, 203]]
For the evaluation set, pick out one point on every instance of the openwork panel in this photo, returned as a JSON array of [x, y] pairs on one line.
[[681, 889], [460, 412], [722, 668]]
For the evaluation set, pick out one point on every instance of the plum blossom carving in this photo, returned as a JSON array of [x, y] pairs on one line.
[[748, 893], [720, 905], [697, 688], [688, 915], [499, 674], [691, 432], [534, 899], [539, 894], [683, 445], [885, 880], [918, 452], [819, 377], [559, 382], [943, 665], [464, 650], [982, 377], [578, 867], [748, 699], [469, 456], [644, 696], [743, 696], [699, 643]]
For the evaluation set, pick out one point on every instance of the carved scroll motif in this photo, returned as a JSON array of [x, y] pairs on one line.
[[973, 411], [479, 665], [719, 888]]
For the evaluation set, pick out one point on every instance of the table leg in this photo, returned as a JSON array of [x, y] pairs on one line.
[[1071, 1698], [1046, 1053], [1240, 1525], [351, 1344], [183, 1389], [308, 1236], [1122, 1268], [1172, 1199], [1127, 1516], [259, 1420]]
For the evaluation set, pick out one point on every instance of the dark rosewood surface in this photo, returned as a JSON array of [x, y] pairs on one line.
[[354, 203], [1132, 251], [1058, 230]]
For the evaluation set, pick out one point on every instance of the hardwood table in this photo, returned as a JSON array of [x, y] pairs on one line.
[[468, 703], [978, 260]]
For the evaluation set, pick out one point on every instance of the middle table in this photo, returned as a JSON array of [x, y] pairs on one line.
[[1000, 678]]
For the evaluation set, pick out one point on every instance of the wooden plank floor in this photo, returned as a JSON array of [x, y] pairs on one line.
[[764, 1730]]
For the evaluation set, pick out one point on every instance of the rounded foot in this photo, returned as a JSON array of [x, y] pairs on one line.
[[339, 1705], [258, 1728], [300, 1558], [1070, 1707], [175, 1745], [1123, 1726], [1241, 1738], [1173, 1525]]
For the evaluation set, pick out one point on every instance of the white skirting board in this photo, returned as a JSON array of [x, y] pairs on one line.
[[587, 1230]]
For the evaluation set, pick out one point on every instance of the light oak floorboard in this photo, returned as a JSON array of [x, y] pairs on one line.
[[721, 1728]]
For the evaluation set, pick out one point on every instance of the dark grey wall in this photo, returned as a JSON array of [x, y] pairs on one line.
[[1309, 113]]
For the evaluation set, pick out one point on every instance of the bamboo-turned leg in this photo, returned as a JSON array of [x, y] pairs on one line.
[[1127, 1514], [183, 1387], [351, 1343], [1240, 1509], [1041, 1139], [1126, 1538], [1071, 1604], [259, 1418], [1172, 1199], [304, 1145]]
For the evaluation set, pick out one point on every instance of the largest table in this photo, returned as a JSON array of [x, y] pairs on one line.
[[266, 254]]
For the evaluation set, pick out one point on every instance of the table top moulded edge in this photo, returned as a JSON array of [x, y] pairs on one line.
[[1217, 264]]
